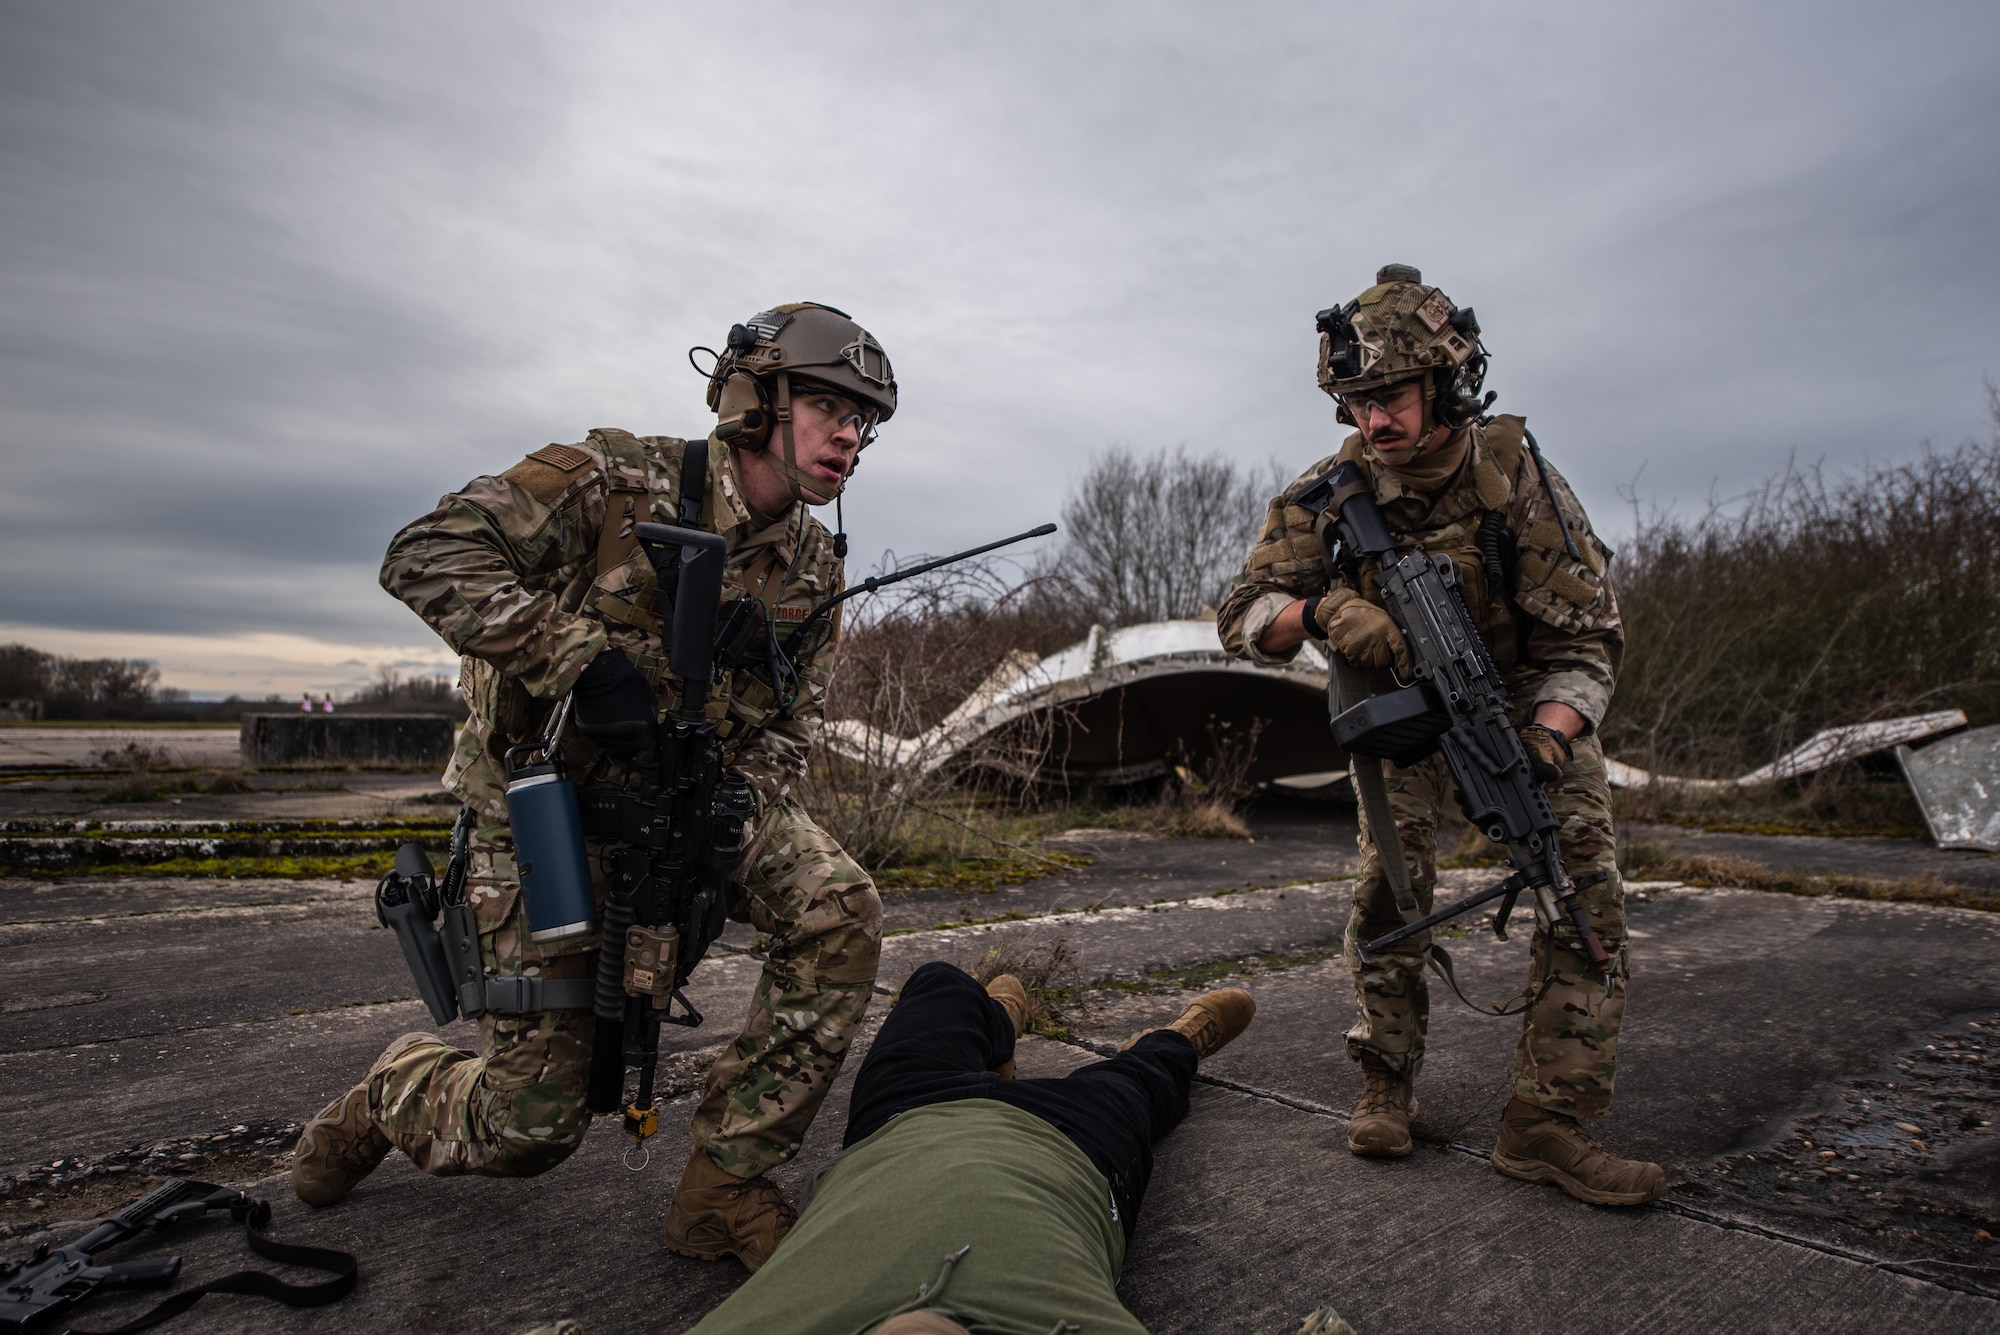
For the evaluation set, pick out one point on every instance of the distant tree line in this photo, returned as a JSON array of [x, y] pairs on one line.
[[130, 689], [1814, 601], [78, 687]]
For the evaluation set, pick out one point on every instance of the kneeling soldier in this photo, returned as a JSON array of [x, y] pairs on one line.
[[1406, 367], [536, 578]]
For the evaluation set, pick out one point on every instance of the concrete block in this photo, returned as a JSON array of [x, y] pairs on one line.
[[368, 741]]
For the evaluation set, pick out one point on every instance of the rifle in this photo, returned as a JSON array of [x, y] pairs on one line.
[[679, 822], [1457, 705], [38, 1293]]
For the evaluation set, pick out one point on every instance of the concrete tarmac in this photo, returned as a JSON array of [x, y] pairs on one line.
[[113, 747], [149, 1019]]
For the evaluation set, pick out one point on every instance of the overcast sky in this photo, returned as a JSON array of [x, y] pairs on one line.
[[273, 277]]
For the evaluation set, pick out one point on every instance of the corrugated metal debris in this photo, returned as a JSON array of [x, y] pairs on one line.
[[1957, 783]]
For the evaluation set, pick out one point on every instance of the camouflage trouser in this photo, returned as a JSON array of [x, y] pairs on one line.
[[1569, 1037], [516, 1107]]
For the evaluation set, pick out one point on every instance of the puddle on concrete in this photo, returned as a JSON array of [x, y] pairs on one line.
[[1903, 1163]]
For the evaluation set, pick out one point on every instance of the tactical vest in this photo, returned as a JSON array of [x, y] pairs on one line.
[[1469, 522], [619, 587]]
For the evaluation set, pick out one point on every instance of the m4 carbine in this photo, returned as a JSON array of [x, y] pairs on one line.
[[1458, 706], [681, 827], [40, 1292]]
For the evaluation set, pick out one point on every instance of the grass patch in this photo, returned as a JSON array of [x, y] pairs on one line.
[[1048, 969], [1653, 860], [341, 867], [1843, 800], [146, 786], [981, 875], [1200, 820]]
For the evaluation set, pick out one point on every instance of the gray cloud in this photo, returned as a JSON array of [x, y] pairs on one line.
[[274, 278]]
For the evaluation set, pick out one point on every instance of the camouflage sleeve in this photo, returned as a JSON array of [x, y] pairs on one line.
[[1575, 639], [1287, 563], [484, 571]]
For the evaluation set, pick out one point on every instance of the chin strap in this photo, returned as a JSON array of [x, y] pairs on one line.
[[1429, 433], [800, 481]]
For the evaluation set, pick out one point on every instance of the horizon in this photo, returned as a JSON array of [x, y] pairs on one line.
[[276, 280]]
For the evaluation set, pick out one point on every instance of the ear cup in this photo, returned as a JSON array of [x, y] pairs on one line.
[[743, 416]]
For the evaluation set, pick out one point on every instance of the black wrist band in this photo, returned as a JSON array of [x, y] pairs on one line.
[[1309, 615]]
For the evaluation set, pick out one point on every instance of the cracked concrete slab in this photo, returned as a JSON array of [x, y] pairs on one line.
[[1747, 1010]]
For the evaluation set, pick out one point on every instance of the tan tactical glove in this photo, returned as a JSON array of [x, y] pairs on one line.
[[1361, 631], [1548, 752]]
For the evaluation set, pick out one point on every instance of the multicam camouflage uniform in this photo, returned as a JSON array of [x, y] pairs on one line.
[[529, 575], [1556, 635]]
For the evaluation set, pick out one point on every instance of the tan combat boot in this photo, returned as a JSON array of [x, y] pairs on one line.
[[1537, 1145], [1013, 998], [1379, 1127], [716, 1214], [341, 1144], [1209, 1022]]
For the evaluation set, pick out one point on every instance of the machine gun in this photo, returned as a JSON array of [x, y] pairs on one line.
[[680, 826], [1457, 705], [40, 1292]]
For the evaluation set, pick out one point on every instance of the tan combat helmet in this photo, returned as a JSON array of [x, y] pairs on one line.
[[1401, 330], [769, 357]]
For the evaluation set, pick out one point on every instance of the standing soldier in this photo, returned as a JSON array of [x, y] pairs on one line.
[[1406, 367], [536, 578]]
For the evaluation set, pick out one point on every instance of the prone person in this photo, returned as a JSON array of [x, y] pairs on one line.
[[537, 578], [1406, 366], [985, 1202]]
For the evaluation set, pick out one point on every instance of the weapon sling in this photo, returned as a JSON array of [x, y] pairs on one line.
[[1458, 706], [1349, 685], [38, 1294]]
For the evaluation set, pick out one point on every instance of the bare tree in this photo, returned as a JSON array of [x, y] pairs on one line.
[[1153, 537]]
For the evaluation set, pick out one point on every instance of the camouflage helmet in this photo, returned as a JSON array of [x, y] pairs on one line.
[[782, 352], [1398, 330], [808, 341]]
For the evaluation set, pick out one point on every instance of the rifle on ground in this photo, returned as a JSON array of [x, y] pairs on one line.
[[680, 824], [1457, 705], [40, 1292]]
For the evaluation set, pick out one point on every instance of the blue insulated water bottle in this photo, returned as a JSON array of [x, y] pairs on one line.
[[548, 851]]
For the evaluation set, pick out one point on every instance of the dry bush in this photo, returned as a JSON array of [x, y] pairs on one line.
[[904, 663], [1812, 602], [138, 756], [1050, 973], [1847, 798], [1203, 797]]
